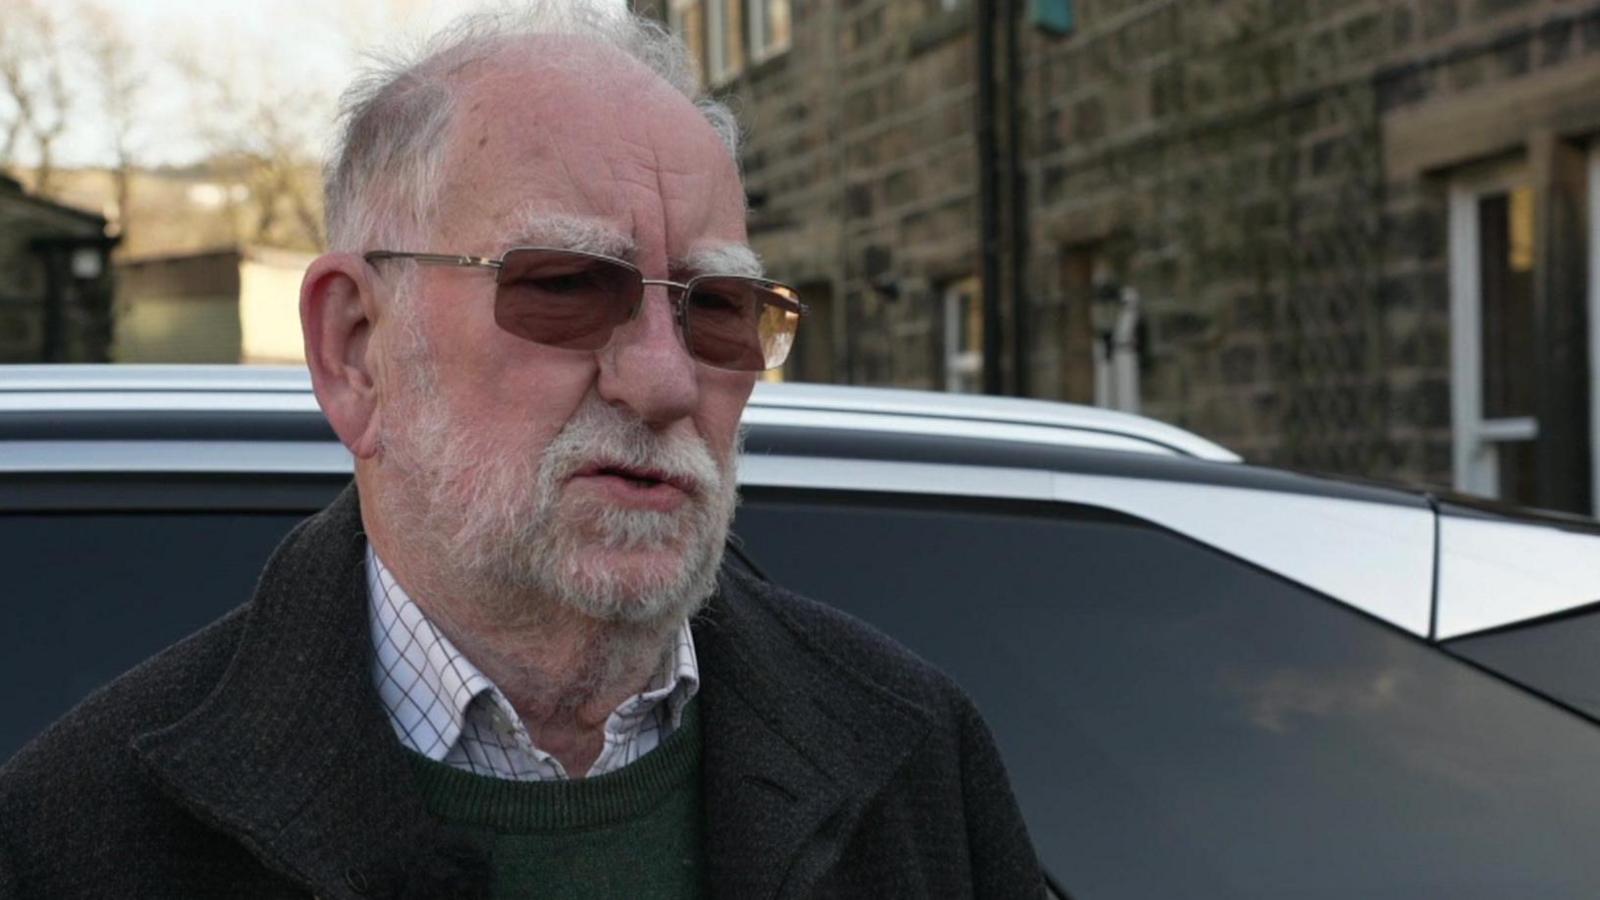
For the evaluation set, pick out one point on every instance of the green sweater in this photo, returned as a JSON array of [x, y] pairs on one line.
[[635, 832]]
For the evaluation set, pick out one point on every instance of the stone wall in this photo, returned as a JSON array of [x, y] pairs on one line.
[[1271, 177], [1231, 157], [858, 164]]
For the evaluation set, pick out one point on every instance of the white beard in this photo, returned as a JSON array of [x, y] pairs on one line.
[[524, 548]]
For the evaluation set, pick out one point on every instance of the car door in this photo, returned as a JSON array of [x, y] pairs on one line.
[[1179, 721]]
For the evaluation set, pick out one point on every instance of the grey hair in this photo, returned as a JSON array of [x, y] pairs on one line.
[[383, 177]]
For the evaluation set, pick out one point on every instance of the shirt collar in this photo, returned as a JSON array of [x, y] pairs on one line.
[[428, 686]]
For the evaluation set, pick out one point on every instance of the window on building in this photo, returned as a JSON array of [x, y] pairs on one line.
[[725, 39], [769, 28], [1492, 335], [963, 336], [724, 36], [1505, 263], [686, 19]]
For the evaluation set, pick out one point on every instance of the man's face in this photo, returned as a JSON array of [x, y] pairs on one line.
[[603, 479]]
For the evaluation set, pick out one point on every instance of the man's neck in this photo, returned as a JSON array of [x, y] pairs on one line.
[[564, 677], [562, 672]]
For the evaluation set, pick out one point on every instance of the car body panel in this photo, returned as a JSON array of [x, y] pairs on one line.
[[289, 457], [1375, 557], [974, 408], [1493, 572]]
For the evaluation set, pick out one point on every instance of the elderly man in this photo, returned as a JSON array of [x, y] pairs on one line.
[[507, 662]]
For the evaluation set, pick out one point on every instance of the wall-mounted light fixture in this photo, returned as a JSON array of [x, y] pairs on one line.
[[1053, 16]]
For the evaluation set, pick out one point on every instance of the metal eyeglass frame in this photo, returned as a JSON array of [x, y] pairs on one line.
[[682, 287], [777, 294]]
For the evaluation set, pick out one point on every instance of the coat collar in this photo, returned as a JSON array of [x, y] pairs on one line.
[[797, 743], [291, 752]]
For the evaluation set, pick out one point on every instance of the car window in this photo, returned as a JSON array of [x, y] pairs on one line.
[[1555, 656], [1180, 723], [1156, 700], [90, 594]]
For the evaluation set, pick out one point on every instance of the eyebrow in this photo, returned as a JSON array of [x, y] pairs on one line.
[[721, 259], [590, 235], [565, 232]]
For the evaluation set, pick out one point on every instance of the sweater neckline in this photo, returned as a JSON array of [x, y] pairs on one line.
[[527, 806]]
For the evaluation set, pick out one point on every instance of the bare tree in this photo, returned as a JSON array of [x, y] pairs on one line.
[[259, 133], [34, 80], [14, 61], [119, 82]]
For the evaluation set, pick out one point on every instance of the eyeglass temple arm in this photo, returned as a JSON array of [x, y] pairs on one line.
[[789, 303], [792, 305], [434, 259]]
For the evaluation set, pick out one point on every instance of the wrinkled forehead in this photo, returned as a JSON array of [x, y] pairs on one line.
[[542, 71], [575, 127]]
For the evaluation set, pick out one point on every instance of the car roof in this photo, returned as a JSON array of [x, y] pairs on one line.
[[63, 426], [67, 389], [1374, 543]]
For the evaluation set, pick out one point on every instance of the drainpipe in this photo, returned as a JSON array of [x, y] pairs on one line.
[[1017, 245], [988, 195]]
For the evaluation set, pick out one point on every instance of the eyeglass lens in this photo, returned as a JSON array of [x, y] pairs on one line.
[[568, 300], [575, 300]]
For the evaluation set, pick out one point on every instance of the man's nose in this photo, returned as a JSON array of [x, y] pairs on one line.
[[646, 367]]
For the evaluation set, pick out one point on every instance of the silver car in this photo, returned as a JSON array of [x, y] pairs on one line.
[[1208, 679]]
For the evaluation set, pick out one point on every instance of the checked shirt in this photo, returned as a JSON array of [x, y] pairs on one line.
[[444, 708]]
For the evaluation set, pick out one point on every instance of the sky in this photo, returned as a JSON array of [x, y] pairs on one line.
[[299, 53]]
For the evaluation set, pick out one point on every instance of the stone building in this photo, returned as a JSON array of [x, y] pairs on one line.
[[55, 280], [1353, 236]]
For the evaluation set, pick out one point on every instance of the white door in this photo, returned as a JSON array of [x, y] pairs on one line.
[[1492, 346]]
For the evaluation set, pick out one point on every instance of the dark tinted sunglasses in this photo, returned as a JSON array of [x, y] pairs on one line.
[[575, 300]]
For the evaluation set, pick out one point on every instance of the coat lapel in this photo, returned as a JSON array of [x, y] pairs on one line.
[[796, 746], [292, 753]]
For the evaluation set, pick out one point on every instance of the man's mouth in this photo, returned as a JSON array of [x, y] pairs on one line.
[[640, 478]]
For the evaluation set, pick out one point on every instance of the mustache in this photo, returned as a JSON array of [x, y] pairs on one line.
[[602, 437]]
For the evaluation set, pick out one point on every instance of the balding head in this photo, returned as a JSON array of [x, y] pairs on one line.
[[573, 128], [384, 177]]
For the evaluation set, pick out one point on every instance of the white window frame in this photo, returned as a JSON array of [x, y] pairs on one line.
[[755, 20], [675, 17], [1594, 321], [1476, 440], [963, 368], [675, 24], [721, 72], [1116, 356]]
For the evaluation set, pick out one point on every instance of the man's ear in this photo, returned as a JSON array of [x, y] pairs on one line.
[[338, 311]]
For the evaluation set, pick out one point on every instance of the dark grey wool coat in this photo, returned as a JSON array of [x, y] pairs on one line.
[[253, 760]]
